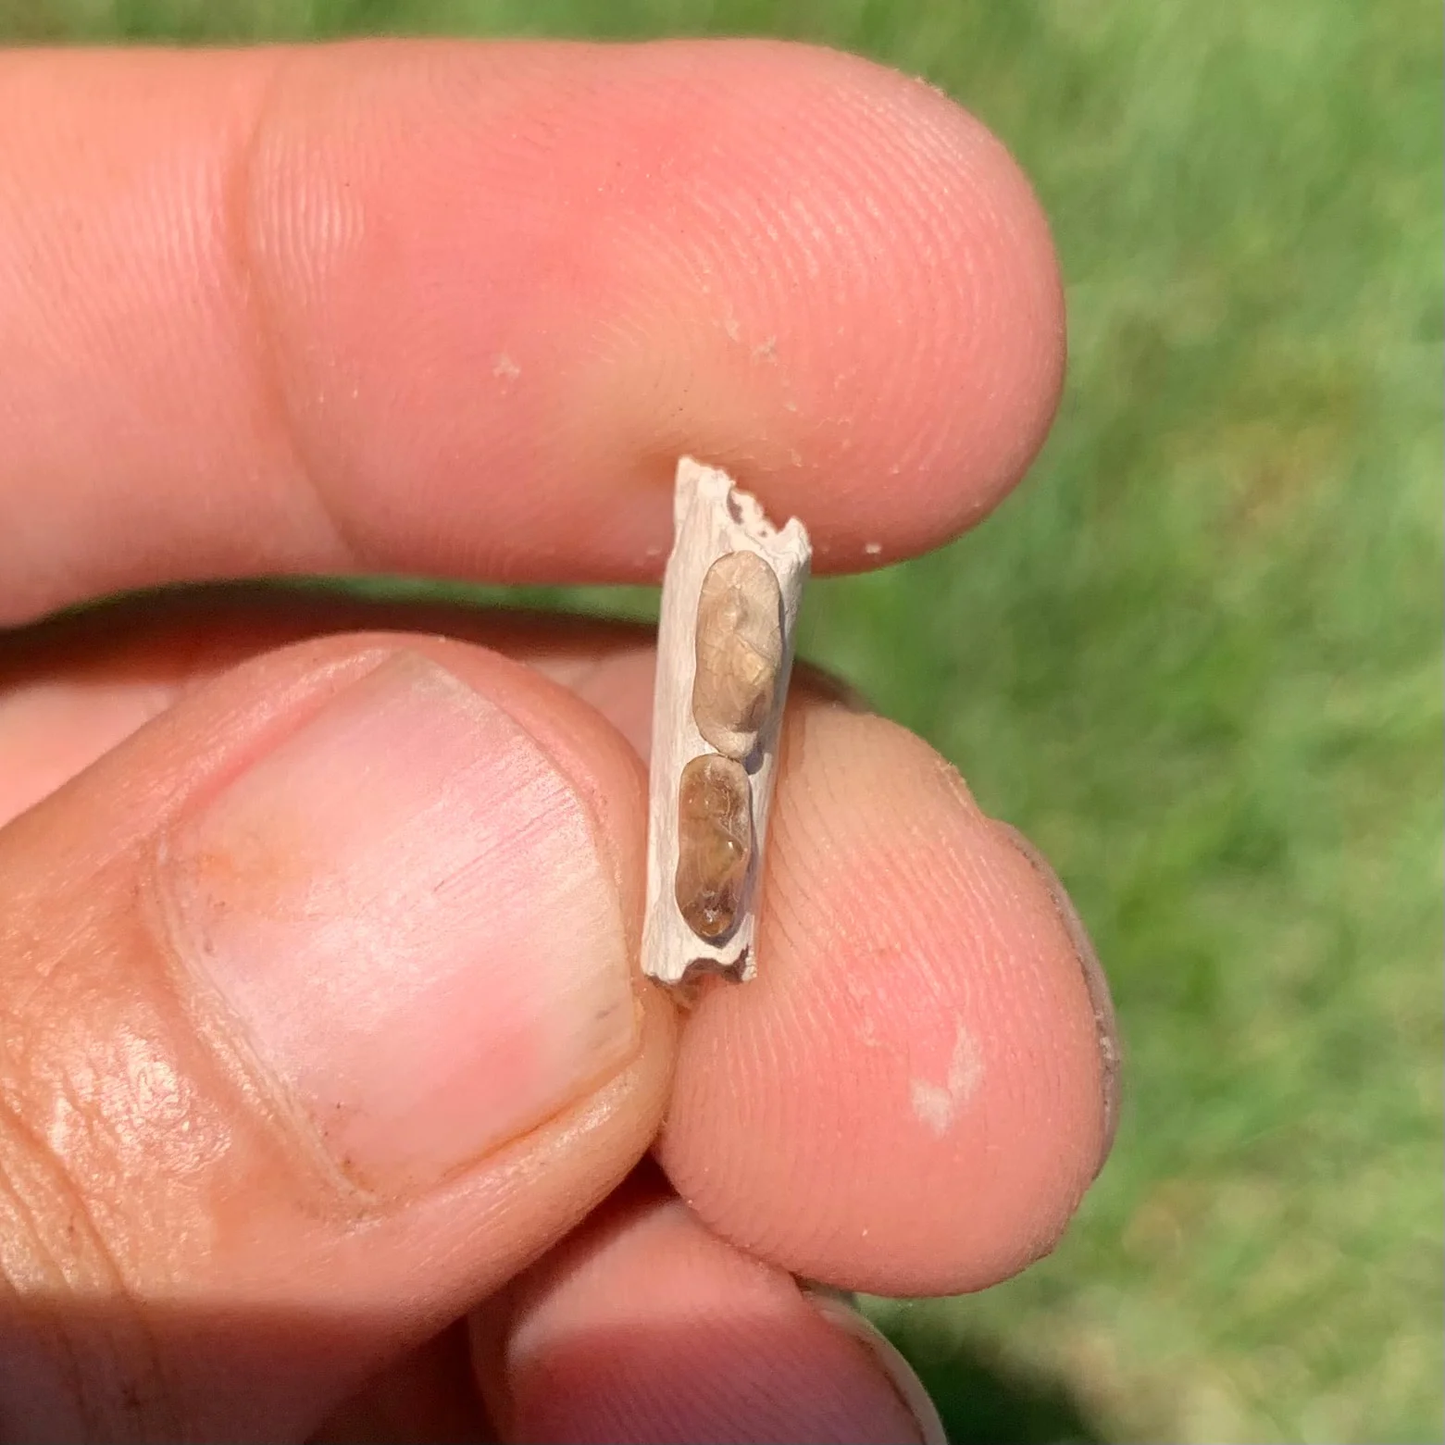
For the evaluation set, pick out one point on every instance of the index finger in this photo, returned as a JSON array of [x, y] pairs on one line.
[[456, 309]]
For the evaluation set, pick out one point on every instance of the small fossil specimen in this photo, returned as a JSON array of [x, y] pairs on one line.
[[739, 648], [714, 843], [724, 651]]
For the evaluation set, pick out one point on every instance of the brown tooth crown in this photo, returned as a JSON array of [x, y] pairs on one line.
[[739, 647], [714, 843]]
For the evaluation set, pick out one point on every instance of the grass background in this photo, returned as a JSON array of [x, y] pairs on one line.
[[1198, 658]]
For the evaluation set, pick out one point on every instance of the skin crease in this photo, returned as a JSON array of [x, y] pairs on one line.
[[303, 310]]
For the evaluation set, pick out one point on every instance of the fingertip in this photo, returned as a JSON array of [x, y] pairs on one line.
[[910, 1098], [860, 315]]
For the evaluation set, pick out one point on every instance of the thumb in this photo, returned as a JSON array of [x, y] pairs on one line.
[[318, 1020]]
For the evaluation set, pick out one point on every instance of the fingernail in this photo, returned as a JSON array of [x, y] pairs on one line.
[[405, 906], [838, 1308], [1105, 1023]]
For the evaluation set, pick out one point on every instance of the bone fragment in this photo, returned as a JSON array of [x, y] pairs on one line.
[[730, 599]]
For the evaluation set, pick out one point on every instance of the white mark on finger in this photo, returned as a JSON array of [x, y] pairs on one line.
[[937, 1105]]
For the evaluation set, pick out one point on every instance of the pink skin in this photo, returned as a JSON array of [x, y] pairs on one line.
[[265, 327], [900, 921], [580, 1347], [453, 309]]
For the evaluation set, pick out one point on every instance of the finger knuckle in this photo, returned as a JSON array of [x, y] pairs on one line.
[[78, 1356]]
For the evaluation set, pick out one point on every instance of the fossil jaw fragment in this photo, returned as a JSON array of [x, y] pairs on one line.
[[725, 648]]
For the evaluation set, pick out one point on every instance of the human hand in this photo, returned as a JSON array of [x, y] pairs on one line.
[[322, 1026]]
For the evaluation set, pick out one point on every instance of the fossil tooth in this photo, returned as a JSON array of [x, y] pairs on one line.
[[739, 647], [714, 843]]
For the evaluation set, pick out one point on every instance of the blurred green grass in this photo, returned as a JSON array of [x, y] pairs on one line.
[[1197, 658]]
